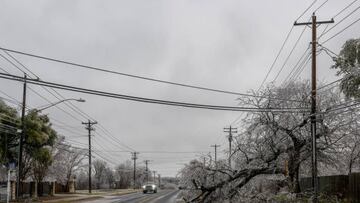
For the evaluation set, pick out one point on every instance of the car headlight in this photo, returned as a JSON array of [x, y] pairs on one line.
[[143, 186], [153, 186]]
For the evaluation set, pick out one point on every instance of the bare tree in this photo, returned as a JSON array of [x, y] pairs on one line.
[[66, 161], [274, 142], [100, 169], [124, 173], [110, 177]]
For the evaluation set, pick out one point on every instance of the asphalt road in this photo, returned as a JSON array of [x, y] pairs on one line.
[[163, 196]]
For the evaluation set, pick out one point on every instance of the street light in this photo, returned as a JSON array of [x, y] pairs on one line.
[[18, 192], [61, 101]]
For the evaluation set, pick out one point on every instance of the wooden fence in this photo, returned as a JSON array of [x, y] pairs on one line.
[[354, 187], [44, 189], [344, 186]]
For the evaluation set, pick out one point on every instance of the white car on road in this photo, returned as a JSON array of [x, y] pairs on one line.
[[149, 188]]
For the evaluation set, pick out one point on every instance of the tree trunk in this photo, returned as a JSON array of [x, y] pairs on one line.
[[67, 186], [35, 192], [294, 167], [350, 166]]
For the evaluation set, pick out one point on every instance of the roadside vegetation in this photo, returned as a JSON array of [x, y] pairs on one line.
[[273, 151]]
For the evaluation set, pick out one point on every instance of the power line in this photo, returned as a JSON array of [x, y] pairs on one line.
[[5, 71], [2, 56], [75, 130], [14, 120], [346, 7], [296, 65], [9, 100], [76, 142], [332, 27], [297, 69], [114, 138], [12, 98], [104, 150], [157, 152], [347, 110], [7, 131], [105, 159], [330, 53], [301, 68], [297, 72], [306, 10], [113, 141], [336, 34], [288, 57], [128, 75], [37, 77], [171, 152], [15, 101], [70, 131], [329, 84], [44, 98], [276, 58], [8, 126], [11, 56], [342, 107], [145, 100], [71, 106], [320, 6], [53, 119]]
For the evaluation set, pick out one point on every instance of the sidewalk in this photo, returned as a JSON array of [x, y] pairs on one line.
[[83, 195]]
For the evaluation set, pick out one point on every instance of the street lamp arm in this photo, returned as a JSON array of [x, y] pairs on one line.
[[58, 102]]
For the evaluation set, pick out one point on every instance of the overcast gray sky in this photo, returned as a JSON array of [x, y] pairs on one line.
[[226, 45]]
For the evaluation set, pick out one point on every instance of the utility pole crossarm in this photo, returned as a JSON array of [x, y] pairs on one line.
[[318, 22]]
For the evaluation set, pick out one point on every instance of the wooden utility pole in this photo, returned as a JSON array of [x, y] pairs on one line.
[[159, 180], [154, 176], [314, 24], [215, 147], [147, 170], [89, 127], [230, 130], [134, 157], [21, 142]]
